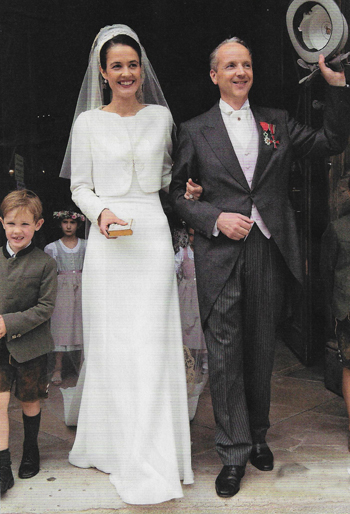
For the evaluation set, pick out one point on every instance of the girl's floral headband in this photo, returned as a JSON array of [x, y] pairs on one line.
[[63, 215]]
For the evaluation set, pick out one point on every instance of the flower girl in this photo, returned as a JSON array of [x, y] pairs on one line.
[[66, 321], [196, 357]]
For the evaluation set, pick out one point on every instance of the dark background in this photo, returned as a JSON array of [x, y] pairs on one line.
[[44, 53], [45, 46]]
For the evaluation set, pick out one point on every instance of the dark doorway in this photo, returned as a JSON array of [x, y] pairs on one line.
[[45, 47]]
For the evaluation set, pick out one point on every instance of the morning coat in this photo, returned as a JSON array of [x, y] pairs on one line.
[[206, 155]]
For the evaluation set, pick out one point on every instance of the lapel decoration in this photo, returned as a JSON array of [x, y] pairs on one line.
[[269, 133]]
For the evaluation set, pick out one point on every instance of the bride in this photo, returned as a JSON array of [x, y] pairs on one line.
[[133, 419]]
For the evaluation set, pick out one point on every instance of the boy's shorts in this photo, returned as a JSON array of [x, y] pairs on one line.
[[342, 331], [31, 376]]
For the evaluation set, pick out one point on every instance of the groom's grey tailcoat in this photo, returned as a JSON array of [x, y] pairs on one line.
[[205, 154]]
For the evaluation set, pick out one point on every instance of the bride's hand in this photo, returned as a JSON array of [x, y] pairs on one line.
[[193, 190], [105, 219]]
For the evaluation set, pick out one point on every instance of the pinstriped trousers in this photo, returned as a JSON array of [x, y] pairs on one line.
[[240, 335]]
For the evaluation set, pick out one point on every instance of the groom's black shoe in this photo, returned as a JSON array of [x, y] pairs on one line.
[[228, 481], [262, 457]]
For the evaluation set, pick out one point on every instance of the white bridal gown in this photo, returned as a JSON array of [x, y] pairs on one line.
[[133, 420]]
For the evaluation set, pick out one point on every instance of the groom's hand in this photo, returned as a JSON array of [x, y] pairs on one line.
[[234, 225]]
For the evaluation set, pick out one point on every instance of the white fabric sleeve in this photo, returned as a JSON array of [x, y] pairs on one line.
[[216, 231], [51, 250], [168, 148], [82, 184]]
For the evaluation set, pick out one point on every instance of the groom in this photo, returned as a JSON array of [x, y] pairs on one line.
[[246, 243]]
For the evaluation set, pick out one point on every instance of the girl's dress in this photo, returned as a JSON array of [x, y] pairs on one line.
[[192, 334], [66, 320], [133, 420]]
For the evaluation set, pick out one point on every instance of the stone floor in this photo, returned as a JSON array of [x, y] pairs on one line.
[[308, 436]]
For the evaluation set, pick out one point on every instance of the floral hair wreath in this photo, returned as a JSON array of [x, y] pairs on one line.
[[62, 215]]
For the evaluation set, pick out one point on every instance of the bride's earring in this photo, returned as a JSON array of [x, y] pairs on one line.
[[105, 83]]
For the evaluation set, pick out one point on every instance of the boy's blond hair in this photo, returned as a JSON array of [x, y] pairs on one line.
[[22, 199]]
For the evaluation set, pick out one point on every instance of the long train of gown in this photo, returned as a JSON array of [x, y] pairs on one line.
[[133, 420]]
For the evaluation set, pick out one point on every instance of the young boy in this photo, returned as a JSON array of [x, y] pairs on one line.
[[335, 268], [28, 283]]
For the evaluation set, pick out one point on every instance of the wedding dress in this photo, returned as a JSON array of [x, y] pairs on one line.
[[133, 419]]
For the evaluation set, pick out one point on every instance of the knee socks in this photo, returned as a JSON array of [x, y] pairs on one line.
[[31, 426]]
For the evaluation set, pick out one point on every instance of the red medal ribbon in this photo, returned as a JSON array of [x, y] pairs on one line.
[[269, 133]]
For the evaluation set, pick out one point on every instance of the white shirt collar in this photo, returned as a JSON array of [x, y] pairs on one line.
[[227, 109], [10, 251]]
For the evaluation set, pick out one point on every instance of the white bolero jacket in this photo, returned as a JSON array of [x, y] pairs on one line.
[[107, 147]]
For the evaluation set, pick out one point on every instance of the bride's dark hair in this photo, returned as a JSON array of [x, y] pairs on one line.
[[121, 39]]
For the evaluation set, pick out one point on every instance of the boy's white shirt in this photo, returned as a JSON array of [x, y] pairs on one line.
[[11, 252]]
